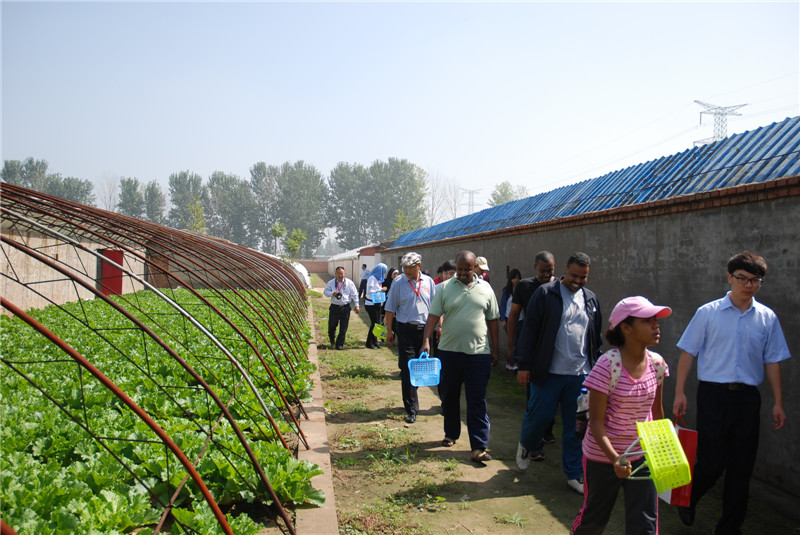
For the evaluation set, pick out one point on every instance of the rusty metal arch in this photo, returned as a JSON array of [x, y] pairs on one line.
[[99, 231], [210, 391], [247, 269], [107, 383], [102, 220], [186, 315]]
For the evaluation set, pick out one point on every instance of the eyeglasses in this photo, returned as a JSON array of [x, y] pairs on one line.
[[745, 281]]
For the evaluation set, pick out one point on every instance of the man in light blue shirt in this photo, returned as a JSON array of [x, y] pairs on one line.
[[409, 300], [736, 341]]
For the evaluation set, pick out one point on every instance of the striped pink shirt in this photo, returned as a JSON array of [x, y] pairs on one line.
[[630, 402]]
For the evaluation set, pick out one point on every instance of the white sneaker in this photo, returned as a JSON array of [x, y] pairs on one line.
[[576, 485], [523, 457]]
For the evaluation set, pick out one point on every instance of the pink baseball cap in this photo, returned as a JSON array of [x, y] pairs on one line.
[[638, 307]]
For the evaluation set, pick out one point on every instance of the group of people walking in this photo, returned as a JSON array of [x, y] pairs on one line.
[[555, 336]]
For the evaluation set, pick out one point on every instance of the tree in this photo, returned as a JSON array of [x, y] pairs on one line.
[[12, 172], [70, 188], [33, 174], [444, 196], [185, 191], [263, 184], [197, 219], [399, 185], [352, 190], [301, 200], [294, 243], [131, 199], [109, 191], [277, 231], [28, 174], [402, 225], [504, 192], [230, 209], [155, 203]]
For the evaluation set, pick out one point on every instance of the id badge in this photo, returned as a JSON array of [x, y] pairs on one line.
[[422, 309]]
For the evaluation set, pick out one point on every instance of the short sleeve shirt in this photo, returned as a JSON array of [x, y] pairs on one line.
[[631, 401], [732, 346], [466, 311], [410, 301]]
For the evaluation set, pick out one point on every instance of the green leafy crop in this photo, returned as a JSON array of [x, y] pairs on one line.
[[75, 458]]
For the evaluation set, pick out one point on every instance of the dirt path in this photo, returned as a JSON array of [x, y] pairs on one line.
[[395, 478]]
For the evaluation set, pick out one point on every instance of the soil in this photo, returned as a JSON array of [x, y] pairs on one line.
[[394, 478]]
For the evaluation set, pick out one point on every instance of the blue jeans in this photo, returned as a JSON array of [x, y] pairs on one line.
[[473, 371], [542, 404]]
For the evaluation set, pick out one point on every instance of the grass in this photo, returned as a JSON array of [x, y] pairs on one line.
[[353, 407], [514, 520]]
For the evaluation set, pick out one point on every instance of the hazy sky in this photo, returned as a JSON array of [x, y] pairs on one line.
[[539, 94]]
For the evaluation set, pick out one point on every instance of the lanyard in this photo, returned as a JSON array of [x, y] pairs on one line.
[[339, 287], [418, 288]]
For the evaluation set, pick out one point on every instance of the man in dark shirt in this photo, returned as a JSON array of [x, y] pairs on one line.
[[544, 265]]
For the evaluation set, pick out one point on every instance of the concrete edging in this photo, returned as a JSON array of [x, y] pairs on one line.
[[317, 520]]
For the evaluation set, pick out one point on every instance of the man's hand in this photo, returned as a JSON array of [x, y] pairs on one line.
[[523, 377], [357, 309], [680, 405], [495, 356], [389, 337], [426, 347], [778, 417]]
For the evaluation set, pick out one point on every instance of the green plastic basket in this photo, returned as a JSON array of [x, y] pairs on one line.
[[379, 331], [663, 454]]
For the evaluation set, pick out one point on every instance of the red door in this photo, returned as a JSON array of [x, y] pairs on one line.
[[111, 275]]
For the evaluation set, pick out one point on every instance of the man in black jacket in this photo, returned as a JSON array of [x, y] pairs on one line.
[[561, 340]]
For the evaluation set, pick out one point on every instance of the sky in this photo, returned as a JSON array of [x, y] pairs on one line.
[[540, 94]]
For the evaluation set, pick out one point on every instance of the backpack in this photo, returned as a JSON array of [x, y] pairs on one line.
[[616, 371], [616, 367]]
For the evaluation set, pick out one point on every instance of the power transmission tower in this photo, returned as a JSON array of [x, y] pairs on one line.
[[470, 199], [720, 114]]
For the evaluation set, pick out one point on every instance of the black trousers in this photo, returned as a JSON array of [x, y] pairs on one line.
[[727, 441], [362, 288], [338, 316], [374, 313], [601, 487], [409, 344]]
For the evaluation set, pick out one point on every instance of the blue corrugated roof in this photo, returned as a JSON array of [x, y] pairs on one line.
[[767, 153]]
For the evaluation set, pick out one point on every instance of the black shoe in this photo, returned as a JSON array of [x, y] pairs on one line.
[[411, 418], [339, 348], [548, 438], [687, 515]]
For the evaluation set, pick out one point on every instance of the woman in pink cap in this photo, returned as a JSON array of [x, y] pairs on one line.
[[625, 387]]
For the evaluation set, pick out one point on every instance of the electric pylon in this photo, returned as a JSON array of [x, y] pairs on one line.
[[720, 114], [471, 199]]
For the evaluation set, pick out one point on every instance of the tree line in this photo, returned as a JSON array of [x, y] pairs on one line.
[[277, 208]]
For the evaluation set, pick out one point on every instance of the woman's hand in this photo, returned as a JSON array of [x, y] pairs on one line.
[[622, 467]]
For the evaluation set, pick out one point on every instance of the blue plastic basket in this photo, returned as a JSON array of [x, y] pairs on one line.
[[377, 297], [424, 370]]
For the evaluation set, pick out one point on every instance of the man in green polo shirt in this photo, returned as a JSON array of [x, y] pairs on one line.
[[468, 349]]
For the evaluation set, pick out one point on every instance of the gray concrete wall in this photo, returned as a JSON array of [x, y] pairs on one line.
[[675, 253], [47, 281]]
